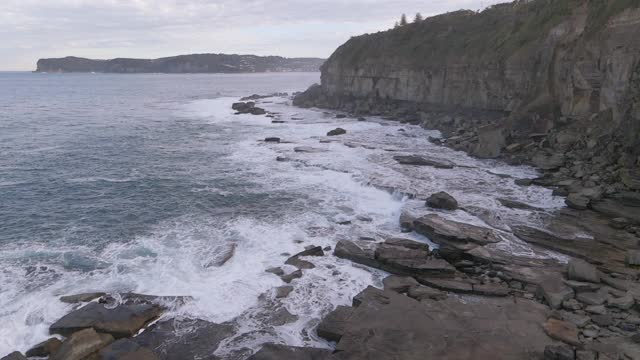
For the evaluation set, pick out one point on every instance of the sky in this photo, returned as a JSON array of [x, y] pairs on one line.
[[104, 29]]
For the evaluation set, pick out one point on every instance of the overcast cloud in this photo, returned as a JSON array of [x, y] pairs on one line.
[[33, 29]]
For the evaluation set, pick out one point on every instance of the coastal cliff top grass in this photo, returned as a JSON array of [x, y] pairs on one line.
[[469, 37]]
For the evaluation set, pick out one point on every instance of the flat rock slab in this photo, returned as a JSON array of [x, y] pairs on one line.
[[125, 349], [308, 149], [283, 352], [422, 161], [179, 339], [82, 344], [121, 321], [452, 234], [393, 326]]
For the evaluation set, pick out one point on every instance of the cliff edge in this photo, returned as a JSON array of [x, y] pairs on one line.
[[544, 64]]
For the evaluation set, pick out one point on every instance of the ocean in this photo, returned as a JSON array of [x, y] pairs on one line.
[[149, 183]]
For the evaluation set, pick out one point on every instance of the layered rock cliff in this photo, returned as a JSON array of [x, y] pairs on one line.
[[544, 63], [197, 63]]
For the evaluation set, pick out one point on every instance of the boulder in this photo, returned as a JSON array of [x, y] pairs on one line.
[[81, 344], [442, 200], [562, 331], [421, 161], [336, 132], [283, 291], [16, 355], [168, 340], [121, 321], [452, 234], [125, 349], [288, 278], [577, 201], [332, 326], [85, 297], [623, 303], [581, 270], [44, 348], [282, 352], [353, 251]]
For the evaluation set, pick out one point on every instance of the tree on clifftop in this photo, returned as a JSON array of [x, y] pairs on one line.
[[403, 20], [418, 18]]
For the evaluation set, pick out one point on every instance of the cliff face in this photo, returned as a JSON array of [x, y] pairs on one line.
[[198, 63], [538, 61]]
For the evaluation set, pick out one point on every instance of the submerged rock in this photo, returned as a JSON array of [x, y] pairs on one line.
[[85, 297], [336, 132], [125, 349], [421, 161]]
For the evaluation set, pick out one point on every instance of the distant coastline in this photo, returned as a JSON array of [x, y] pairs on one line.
[[182, 64]]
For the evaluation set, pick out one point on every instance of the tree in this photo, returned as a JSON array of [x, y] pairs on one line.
[[418, 18], [403, 20]]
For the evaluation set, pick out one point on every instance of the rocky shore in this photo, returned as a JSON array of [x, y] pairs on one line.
[[466, 298]]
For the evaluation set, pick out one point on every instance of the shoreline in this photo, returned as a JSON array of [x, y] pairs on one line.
[[466, 269]]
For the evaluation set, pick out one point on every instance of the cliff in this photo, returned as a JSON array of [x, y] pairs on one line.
[[197, 63], [543, 63]]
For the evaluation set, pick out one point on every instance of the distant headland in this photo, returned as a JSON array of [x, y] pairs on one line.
[[195, 63]]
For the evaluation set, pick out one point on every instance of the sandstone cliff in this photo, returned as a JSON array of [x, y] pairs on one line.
[[545, 63], [197, 63]]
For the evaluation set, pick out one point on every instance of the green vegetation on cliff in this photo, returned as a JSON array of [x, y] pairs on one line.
[[469, 37]]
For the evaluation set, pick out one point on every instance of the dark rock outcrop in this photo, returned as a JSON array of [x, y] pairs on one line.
[[442, 200]]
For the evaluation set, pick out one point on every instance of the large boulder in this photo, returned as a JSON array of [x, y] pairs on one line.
[[168, 341], [121, 321], [44, 348], [332, 326], [309, 97], [452, 235], [442, 200], [81, 344], [357, 252]]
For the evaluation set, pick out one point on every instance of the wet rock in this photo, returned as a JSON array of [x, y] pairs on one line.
[[562, 331], [554, 291], [16, 355], [581, 270], [82, 344], [125, 349], [272, 139], [177, 339], [352, 251], [288, 278], [257, 111], [44, 348], [243, 107], [282, 352], [275, 271], [399, 284], [336, 132], [280, 316], [558, 352], [283, 291], [121, 321], [332, 326], [85, 297], [513, 204], [523, 182], [308, 149], [577, 201], [454, 235], [442, 200], [401, 260], [421, 161]]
